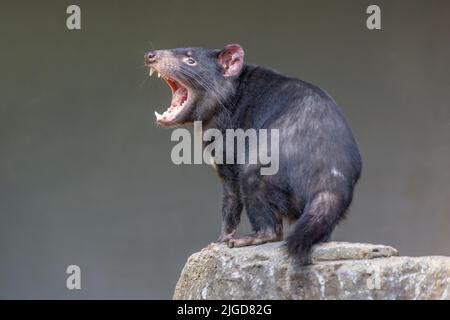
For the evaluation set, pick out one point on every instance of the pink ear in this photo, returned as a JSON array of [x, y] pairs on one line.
[[231, 58]]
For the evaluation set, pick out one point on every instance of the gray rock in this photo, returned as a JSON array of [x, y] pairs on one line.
[[339, 271]]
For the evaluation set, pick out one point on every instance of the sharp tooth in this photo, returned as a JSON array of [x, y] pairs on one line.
[[159, 75], [151, 72], [158, 116]]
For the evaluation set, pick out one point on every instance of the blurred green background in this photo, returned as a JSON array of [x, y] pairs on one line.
[[86, 177]]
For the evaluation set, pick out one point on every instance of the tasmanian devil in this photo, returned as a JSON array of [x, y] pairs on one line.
[[319, 161]]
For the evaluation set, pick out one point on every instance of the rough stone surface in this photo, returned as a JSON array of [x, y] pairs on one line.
[[339, 271]]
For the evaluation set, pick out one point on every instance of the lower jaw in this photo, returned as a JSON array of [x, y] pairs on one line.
[[169, 117], [180, 100]]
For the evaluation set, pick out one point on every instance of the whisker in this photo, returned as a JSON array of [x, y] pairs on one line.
[[141, 85], [221, 99], [151, 44], [202, 82]]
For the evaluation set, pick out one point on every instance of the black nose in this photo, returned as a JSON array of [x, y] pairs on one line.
[[150, 57]]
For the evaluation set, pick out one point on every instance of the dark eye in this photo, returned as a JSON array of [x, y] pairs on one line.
[[190, 61]]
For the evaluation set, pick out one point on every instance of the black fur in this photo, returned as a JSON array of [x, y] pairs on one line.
[[319, 162]]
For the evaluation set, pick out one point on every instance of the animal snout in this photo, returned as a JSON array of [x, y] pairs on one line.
[[150, 57]]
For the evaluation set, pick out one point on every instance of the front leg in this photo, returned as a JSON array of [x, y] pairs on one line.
[[232, 203]]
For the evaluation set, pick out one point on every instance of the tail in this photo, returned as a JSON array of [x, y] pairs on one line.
[[315, 225]]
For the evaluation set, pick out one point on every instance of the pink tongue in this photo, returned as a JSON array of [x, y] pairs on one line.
[[179, 97]]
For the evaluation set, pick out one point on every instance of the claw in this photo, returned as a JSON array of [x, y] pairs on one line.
[[225, 237]]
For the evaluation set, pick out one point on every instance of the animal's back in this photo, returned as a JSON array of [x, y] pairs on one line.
[[316, 144], [318, 156]]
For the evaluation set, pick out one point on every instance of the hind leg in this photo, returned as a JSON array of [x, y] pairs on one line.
[[263, 215], [259, 237]]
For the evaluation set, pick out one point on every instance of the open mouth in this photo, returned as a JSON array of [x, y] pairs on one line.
[[180, 96]]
